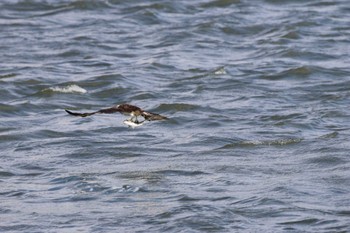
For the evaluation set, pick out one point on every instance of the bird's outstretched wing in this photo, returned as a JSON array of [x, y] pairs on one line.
[[152, 116], [125, 109], [105, 110], [85, 114]]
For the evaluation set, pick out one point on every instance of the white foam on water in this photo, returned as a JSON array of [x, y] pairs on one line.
[[220, 71], [69, 89]]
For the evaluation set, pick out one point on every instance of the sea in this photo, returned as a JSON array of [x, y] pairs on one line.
[[257, 95]]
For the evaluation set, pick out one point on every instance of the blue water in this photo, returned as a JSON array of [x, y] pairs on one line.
[[257, 94]]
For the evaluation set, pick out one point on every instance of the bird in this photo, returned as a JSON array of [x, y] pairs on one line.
[[126, 109]]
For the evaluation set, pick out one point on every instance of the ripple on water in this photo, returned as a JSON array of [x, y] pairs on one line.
[[325, 161], [257, 93], [273, 142], [177, 107], [5, 174]]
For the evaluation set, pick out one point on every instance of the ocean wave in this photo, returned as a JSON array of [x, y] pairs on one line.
[[276, 142], [68, 89]]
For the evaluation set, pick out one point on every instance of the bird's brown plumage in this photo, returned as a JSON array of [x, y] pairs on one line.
[[126, 109]]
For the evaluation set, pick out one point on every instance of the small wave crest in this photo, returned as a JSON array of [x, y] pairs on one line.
[[220, 71], [67, 89], [277, 142]]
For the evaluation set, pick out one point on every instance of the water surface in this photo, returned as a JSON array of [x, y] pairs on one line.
[[258, 96]]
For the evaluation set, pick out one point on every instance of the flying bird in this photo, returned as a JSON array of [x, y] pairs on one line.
[[126, 109]]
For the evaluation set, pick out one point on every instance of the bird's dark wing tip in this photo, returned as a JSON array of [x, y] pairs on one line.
[[69, 112], [75, 113]]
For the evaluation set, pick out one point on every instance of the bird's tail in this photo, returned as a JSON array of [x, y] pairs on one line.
[[80, 114], [152, 116]]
